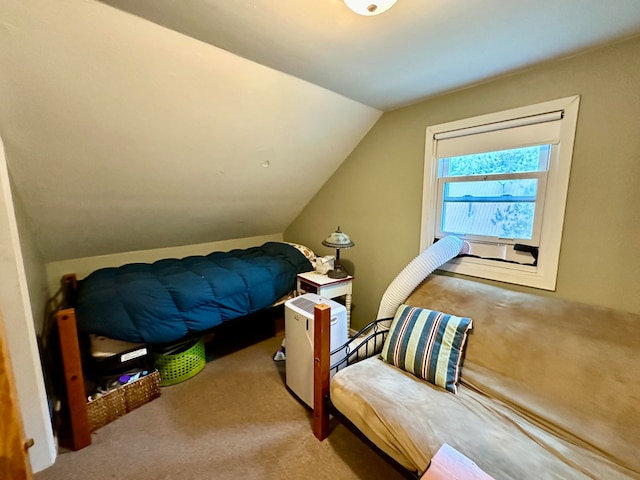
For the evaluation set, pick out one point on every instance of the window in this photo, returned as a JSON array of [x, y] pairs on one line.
[[500, 182]]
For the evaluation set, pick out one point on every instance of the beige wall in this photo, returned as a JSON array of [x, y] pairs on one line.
[[376, 194]]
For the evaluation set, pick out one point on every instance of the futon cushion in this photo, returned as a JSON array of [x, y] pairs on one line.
[[428, 344], [409, 419]]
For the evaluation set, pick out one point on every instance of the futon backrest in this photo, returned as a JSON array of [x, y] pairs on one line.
[[569, 366]]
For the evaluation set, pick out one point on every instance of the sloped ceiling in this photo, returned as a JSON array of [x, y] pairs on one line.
[[123, 135], [130, 125]]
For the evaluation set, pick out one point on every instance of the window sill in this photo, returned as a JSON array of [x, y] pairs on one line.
[[526, 275]]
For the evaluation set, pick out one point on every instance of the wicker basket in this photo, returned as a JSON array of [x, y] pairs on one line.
[[122, 400], [178, 367]]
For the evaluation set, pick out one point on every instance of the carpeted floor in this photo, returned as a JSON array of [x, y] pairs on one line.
[[235, 419]]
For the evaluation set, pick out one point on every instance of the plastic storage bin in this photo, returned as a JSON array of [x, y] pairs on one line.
[[176, 367]]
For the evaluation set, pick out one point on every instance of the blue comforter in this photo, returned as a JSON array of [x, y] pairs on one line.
[[170, 299]]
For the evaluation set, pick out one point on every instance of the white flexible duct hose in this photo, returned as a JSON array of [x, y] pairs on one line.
[[404, 284], [416, 271]]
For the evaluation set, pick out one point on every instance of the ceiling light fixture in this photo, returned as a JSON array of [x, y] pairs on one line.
[[369, 7]]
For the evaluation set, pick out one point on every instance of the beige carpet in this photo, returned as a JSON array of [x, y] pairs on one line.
[[234, 420]]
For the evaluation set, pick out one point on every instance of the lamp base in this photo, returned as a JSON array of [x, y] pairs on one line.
[[337, 272]]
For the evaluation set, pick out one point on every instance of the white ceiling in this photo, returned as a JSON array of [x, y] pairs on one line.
[[122, 134]]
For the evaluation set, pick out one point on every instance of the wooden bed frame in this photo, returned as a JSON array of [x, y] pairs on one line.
[[65, 319], [76, 419]]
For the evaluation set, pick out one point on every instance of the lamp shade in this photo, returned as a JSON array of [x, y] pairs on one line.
[[369, 7], [338, 239]]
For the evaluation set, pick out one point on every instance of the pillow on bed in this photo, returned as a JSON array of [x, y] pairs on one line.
[[306, 251], [428, 344]]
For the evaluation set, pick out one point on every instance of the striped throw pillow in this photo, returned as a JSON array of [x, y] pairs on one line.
[[428, 344]]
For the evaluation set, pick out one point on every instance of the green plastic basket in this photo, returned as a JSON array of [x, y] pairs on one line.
[[178, 367]]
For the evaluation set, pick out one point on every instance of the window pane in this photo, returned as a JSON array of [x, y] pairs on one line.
[[503, 208], [517, 160]]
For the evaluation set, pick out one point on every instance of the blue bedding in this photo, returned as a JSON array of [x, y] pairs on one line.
[[169, 299]]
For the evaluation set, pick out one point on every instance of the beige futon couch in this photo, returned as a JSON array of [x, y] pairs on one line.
[[549, 389]]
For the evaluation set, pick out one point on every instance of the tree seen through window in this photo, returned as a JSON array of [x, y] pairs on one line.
[[492, 207]]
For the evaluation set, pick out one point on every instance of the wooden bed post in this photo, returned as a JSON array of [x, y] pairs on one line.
[[69, 284], [74, 378], [321, 354]]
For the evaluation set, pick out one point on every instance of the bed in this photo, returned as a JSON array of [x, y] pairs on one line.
[[170, 299], [166, 302]]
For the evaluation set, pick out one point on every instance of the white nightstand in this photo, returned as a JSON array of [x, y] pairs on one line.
[[313, 282]]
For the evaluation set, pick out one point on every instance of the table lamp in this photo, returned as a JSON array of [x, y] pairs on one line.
[[338, 240]]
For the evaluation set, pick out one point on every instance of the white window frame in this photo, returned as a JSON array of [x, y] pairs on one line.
[[544, 274]]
